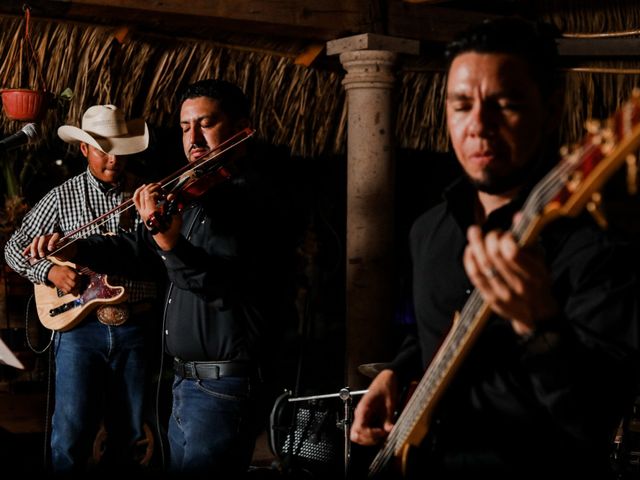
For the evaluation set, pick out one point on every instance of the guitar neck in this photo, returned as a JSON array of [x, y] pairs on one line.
[[412, 424]]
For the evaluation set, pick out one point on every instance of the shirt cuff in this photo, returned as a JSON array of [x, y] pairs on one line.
[[173, 258], [41, 272], [547, 337]]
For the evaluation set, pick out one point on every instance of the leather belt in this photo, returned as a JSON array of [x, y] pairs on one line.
[[215, 370], [140, 307]]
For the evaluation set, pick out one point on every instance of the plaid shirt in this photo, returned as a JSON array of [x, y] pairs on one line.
[[76, 202]]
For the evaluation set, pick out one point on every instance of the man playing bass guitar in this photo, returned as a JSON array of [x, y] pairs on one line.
[[554, 369], [100, 354]]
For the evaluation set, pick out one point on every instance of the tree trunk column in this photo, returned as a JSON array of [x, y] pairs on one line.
[[369, 61]]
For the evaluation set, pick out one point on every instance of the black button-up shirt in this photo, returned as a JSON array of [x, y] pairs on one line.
[[228, 276], [519, 406]]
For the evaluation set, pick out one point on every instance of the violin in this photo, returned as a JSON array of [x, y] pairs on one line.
[[197, 180], [181, 187]]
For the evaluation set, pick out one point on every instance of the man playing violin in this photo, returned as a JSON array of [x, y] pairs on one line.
[[100, 362], [554, 369], [222, 254]]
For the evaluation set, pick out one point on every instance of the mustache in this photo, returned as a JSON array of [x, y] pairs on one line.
[[198, 145]]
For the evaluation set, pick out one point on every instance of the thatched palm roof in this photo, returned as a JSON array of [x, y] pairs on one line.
[[293, 105]]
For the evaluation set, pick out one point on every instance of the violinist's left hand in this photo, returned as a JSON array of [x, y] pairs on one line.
[[146, 199]]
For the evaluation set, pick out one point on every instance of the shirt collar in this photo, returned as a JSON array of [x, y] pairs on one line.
[[102, 186], [460, 198]]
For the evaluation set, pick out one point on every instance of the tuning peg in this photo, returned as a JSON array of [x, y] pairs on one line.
[[607, 131], [597, 139], [592, 126], [594, 207], [632, 173], [564, 151]]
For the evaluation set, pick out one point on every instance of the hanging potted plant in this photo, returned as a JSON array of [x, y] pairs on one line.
[[25, 104]]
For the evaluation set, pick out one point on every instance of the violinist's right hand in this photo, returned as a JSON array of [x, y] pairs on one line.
[[146, 199]]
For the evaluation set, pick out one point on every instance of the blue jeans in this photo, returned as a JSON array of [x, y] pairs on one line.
[[100, 375], [212, 426]]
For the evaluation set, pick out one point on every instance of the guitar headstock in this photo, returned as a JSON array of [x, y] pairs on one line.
[[586, 166], [583, 168]]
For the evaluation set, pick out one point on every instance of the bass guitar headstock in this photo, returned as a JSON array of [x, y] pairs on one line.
[[605, 148], [576, 181]]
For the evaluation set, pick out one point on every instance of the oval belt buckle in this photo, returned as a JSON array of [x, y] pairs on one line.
[[113, 315]]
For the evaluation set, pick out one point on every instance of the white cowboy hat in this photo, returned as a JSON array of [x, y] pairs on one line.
[[104, 127]]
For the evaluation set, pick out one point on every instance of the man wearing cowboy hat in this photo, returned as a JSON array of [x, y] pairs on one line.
[[225, 257], [100, 361]]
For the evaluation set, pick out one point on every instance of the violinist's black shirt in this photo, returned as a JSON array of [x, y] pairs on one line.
[[227, 276], [545, 405]]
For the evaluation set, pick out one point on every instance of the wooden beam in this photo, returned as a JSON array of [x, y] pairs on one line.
[[430, 23], [309, 18], [599, 47], [341, 13], [303, 20], [297, 19]]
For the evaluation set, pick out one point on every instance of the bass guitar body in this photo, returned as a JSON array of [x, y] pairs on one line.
[[61, 312], [409, 463]]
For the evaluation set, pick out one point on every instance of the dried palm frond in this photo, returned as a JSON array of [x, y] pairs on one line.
[[302, 108], [292, 105]]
